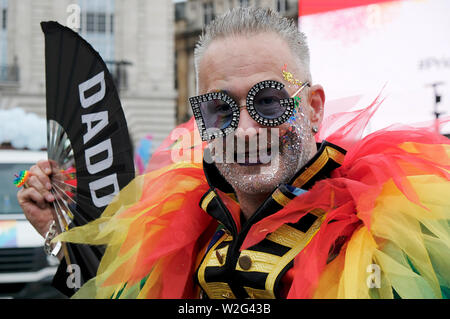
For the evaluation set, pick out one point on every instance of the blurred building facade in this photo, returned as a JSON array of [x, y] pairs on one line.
[[134, 37], [190, 18]]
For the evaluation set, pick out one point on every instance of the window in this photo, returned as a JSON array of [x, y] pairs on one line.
[[97, 27], [208, 12], [101, 22], [8, 199], [180, 11], [282, 6], [8, 73], [97, 22], [244, 3], [90, 22], [4, 20]]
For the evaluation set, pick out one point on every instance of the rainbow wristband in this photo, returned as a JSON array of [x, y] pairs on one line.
[[21, 179]]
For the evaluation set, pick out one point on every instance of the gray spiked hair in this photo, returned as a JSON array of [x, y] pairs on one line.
[[249, 21]]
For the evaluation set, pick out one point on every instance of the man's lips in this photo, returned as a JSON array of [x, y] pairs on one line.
[[253, 158]]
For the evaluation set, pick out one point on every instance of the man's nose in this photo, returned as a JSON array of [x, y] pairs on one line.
[[247, 125]]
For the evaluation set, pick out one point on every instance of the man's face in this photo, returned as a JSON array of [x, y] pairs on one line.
[[235, 65]]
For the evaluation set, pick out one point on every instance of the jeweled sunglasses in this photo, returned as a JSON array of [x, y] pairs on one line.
[[268, 103]]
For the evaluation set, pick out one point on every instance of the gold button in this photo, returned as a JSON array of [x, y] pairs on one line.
[[219, 257], [226, 295], [245, 262]]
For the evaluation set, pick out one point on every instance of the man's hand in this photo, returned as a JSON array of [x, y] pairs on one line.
[[36, 199]]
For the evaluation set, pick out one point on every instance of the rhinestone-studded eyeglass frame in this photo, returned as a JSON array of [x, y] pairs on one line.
[[209, 134]]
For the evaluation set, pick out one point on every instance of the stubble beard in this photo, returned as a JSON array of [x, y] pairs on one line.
[[294, 152]]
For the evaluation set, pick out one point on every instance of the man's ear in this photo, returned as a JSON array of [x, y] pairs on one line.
[[317, 102]]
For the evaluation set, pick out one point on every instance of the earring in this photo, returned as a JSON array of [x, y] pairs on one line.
[[315, 129]]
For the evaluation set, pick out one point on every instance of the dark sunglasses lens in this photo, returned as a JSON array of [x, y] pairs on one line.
[[267, 102], [217, 114]]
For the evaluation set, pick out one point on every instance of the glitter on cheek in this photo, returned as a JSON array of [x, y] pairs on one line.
[[297, 108], [297, 136], [298, 124], [294, 152]]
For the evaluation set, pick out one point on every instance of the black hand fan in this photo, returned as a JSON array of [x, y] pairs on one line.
[[88, 142]]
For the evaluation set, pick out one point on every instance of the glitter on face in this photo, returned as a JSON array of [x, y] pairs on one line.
[[290, 78], [296, 106], [294, 152]]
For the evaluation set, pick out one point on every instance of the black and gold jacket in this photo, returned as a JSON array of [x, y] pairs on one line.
[[257, 272]]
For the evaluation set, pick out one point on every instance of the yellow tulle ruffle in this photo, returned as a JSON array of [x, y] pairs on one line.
[[404, 254]]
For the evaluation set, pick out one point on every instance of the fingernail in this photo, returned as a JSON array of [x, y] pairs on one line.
[[48, 170], [49, 186], [50, 197]]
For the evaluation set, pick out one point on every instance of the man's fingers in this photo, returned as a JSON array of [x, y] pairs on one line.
[[38, 216], [45, 166], [31, 195], [44, 180], [35, 183]]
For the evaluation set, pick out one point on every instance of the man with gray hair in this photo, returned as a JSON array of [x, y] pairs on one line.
[[270, 213], [239, 50], [241, 55]]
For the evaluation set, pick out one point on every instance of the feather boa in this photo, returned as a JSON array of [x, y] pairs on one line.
[[388, 204]]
